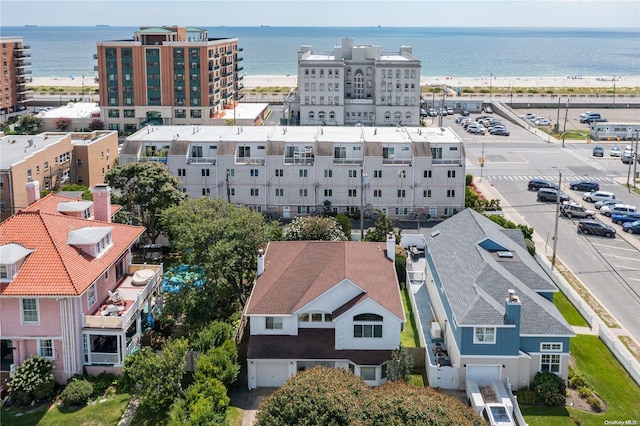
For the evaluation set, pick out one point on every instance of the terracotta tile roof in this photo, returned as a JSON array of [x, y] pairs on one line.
[[310, 343], [297, 272], [49, 203], [56, 268]]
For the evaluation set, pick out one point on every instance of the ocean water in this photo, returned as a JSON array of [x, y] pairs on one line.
[[456, 52]]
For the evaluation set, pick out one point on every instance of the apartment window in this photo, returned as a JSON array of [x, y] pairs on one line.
[[436, 153], [205, 172], [233, 191], [377, 193], [182, 172], [377, 174], [353, 193], [302, 172], [551, 347], [426, 193], [328, 173], [196, 113], [180, 113], [550, 362], [484, 335], [402, 174], [451, 193], [451, 173], [78, 162], [244, 151], [366, 328], [279, 173], [273, 323], [46, 166], [254, 192], [4, 272], [91, 295], [113, 113], [29, 174], [254, 173], [388, 152], [45, 348], [402, 193], [279, 192], [328, 192], [368, 373], [206, 192], [303, 192], [353, 173], [29, 309], [231, 172], [339, 152], [427, 174]]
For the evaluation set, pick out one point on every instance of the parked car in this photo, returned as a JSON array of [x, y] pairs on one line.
[[570, 209], [482, 117], [584, 185], [488, 109], [589, 117], [535, 184], [617, 208], [528, 116], [594, 196], [478, 130], [621, 218], [597, 120], [632, 227], [541, 121], [627, 158], [443, 111], [465, 113], [602, 203], [614, 151], [432, 112], [500, 132], [424, 112], [449, 110], [551, 195], [584, 114], [595, 227], [598, 151]]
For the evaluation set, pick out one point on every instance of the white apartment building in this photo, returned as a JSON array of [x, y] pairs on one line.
[[357, 84], [287, 171]]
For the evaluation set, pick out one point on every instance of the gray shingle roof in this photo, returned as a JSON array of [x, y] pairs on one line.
[[476, 281]]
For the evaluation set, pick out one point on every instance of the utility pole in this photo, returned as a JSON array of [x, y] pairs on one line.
[[362, 204], [557, 126], [482, 162], [564, 127], [490, 84], [555, 231], [228, 188], [635, 161]]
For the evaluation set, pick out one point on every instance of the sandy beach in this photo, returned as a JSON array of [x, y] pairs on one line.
[[253, 81]]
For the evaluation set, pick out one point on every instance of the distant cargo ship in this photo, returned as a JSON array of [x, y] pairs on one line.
[[30, 26], [102, 25]]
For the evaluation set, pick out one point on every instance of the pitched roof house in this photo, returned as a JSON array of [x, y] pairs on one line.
[[68, 290], [331, 303], [486, 306]]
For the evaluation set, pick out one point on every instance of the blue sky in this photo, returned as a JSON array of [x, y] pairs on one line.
[[416, 13]]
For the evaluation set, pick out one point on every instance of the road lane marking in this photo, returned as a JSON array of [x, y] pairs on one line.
[[621, 257], [523, 159], [614, 247]]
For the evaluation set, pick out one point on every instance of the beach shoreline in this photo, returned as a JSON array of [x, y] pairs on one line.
[[257, 81]]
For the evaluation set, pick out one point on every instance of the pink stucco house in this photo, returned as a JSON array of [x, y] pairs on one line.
[[68, 289]]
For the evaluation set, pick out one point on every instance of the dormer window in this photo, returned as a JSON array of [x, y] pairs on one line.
[[94, 241], [12, 257]]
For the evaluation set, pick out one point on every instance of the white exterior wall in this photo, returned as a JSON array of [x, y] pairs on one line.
[[391, 329], [289, 326]]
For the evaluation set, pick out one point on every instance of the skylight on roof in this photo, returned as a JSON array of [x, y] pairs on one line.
[[505, 254]]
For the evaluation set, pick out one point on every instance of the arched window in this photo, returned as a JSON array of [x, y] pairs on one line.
[[406, 73], [407, 117], [413, 73], [312, 116], [313, 73], [321, 115], [332, 116], [397, 117], [337, 72], [367, 317], [387, 116], [362, 327]]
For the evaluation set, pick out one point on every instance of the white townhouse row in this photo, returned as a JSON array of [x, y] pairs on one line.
[[287, 171], [357, 84]]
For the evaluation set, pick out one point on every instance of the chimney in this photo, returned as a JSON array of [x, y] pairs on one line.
[[260, 262], [391, 246], [33, 191], [102, 202], [512, 309]]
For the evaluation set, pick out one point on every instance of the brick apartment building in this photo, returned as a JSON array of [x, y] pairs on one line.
[[15, 73]]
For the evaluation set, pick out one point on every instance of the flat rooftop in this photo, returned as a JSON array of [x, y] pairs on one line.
[[72, 110], [16, 148]]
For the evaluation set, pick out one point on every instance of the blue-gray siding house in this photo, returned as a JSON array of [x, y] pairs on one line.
[[485, 306]]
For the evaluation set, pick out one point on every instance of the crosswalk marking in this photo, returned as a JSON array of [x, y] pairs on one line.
[[566, 179], [503, 141]]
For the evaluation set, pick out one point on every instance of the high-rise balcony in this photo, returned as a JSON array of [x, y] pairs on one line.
[[239, 68], [23, 64]]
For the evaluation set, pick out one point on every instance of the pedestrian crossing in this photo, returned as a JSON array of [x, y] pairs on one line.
[[566, 179], [504, 141]]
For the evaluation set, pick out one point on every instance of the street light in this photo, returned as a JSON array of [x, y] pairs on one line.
[[82, 87], [490, 84], [614, 90]]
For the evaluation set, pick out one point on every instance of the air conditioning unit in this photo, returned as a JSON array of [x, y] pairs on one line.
[[436, 331]]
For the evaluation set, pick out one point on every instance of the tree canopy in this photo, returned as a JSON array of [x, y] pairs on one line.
[[382, 227], [145, 190], [30, 124], [223, 239], [314, 228], [323, 396]]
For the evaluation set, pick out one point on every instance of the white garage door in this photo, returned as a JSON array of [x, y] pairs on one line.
[[271, 373], [483, 374]]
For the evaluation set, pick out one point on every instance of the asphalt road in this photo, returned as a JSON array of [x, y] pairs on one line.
[[609, 268]]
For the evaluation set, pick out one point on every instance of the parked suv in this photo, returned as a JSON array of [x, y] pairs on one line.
[[589, 117], [535, 184], [594, 196], [617, 208], [584, 185], [595, 227], [570, 210], [598, 151], [550, 194], [621, 219]]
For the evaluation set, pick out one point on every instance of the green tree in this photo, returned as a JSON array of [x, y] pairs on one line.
[[220, 363], [400, 365], [314, 228], [345, 224], [382, 227], [223, 239], [96, 124], [211, 336], [30, 124], [205, 403], [157, 377], [145, 190]]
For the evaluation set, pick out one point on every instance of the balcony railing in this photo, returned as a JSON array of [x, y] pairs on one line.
[[201, 160], [250, 160], [397, 161], [135, 296], [152, 159], [457, 162], [347, 161]]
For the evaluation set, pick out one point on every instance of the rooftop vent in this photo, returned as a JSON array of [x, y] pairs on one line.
[[505, 254], [435, 233]]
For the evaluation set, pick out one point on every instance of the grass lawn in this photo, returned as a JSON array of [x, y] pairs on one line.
[[409, 336], [568, 311], [610, 381], [234, 416], [106, 413]]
